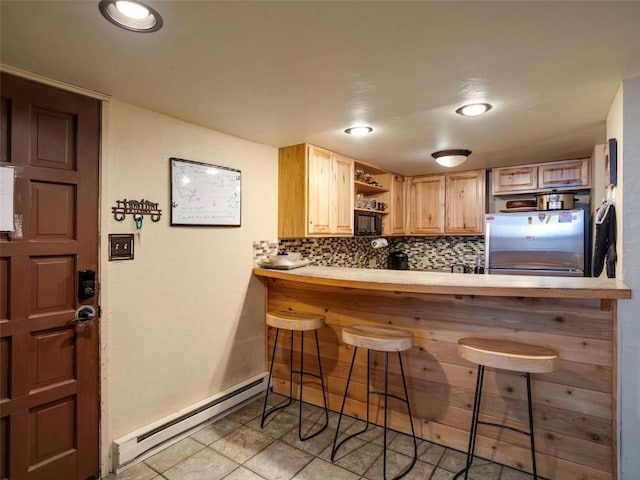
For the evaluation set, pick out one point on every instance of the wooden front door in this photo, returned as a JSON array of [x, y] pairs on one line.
[[49, 404]]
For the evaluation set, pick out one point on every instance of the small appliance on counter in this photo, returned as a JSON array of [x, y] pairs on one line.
[[398, 261]]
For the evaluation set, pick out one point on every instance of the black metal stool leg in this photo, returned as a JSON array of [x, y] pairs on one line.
[[413, 432], [533, 445], [386, 395], [474, 421], [302, 374], [265, 412], [344, 401]]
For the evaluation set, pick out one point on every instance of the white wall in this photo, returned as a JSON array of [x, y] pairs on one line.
[[185, 318], [628, 318]]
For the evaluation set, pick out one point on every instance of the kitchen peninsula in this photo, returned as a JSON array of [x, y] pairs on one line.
[[575, 406]]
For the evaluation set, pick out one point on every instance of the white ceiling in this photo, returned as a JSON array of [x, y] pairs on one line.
[[281, 73]]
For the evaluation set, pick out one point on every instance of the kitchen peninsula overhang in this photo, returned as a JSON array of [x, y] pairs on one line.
[[455, 284]]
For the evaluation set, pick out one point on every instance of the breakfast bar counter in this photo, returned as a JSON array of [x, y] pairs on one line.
[[575, 406]]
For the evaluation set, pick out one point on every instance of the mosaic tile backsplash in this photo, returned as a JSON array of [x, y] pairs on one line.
[[428, 253]]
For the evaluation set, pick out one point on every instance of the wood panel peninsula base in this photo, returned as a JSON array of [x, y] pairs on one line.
[[575, 406]]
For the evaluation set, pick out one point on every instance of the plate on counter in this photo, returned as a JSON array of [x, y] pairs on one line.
[[289, 266]]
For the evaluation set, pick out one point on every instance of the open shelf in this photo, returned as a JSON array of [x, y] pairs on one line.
[[385, 212], [362, 187]]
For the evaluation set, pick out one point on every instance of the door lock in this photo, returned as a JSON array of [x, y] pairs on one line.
[[84, 315]]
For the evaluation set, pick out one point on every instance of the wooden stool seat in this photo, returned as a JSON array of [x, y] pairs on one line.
[[373, 337], [299, 321], [508, 355]]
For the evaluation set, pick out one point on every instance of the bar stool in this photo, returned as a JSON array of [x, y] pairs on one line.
[[301, 322], [506, 355], [382, 339]]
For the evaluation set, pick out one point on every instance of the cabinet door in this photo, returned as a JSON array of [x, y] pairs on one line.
[[426, 204], [319, 191], [564, 174], [342, 195], [397, 205], [465, 202], [514, 179]]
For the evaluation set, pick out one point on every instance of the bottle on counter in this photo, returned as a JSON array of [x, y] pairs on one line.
[[479, 268]]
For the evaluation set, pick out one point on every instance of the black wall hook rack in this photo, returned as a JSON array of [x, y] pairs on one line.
[[134, 207]]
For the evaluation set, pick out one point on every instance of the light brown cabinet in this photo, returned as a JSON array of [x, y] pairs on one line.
[[447, 204], [542, 177], [573, 174], [465, 203], [426, 204], [315, 192], [515, 179], [397, 217]]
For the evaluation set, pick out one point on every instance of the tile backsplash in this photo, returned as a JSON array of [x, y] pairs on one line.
[[432, 253]]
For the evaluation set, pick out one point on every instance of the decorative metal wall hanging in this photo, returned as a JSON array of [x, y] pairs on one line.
[[134, 207]]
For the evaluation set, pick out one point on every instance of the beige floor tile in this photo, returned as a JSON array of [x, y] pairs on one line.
[[319, 469], [359, 460], [430, 452], [174, 454], [315, 445], [396, 463], [452, 460], [242, 444], [203, 465], [140, 471], [242, 473], [279, 461], [215, 431], [488, 471], [344, 450], [276, 425], [442, 474], [248, 412], [403, 444]]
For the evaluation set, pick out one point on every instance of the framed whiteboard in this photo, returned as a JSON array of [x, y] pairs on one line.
[[204, 194]]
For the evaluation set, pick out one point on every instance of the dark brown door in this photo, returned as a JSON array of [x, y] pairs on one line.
[[49, 368]]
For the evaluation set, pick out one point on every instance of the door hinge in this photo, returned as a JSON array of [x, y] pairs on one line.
[[99, 311]]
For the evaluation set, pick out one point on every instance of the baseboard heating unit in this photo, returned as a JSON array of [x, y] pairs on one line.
[[162, 433]]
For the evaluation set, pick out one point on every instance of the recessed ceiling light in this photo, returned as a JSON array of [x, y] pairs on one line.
[[131, 15], [359, 131], [451, 158], [474, 109]]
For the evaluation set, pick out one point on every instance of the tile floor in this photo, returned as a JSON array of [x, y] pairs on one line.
[[236, 448]]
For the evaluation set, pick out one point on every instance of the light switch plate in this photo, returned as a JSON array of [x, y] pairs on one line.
[[120, 246]]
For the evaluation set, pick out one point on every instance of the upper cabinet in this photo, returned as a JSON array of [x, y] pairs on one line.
[[451, 204], [466, 199], [315, 192], [426, 204], [542, 177], [397, 220]]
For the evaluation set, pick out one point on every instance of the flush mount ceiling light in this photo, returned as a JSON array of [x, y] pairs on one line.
[[474, 109], [131, 15], [451, 158], [358, 131]]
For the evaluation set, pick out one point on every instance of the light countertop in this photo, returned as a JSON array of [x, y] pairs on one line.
[[454, 283]]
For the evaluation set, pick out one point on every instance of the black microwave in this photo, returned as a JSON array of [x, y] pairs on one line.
[[367, 223]]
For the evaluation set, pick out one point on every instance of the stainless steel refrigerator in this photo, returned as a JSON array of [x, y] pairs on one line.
[[536, 243]]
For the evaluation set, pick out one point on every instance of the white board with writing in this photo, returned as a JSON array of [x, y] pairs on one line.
[[204, 194]]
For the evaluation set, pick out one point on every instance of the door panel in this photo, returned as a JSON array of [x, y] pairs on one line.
[[49, 371]]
